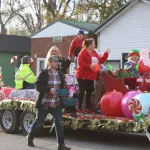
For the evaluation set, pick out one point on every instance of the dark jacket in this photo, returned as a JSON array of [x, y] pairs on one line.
[[42, 86], [64, 64]]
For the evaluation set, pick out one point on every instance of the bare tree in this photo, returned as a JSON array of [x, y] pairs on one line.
[[59, 9], [5, 14], [28, 15]]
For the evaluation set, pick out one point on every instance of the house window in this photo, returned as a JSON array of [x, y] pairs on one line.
[[57, 39], [124, 58], [114, 63], [40, 64]]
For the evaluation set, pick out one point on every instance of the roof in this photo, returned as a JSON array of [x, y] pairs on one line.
[[78, 24], [87, 26], [117, 14], [13, 43]]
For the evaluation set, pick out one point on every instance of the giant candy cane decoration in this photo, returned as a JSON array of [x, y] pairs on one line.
[[13, 59]]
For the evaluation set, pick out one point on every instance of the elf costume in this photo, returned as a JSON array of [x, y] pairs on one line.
[[132, 66]]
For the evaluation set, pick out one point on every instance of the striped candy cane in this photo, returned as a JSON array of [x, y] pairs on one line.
[[13, 60]]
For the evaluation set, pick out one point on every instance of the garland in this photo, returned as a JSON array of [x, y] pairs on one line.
[[97, 122], [24, 105], [103, 124]]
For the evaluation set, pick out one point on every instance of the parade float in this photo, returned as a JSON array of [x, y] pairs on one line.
[[124, 109]]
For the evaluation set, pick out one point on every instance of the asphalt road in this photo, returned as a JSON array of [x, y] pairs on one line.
[[78, 140]]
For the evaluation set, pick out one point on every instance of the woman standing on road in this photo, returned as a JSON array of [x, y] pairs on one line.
[[85, 73]]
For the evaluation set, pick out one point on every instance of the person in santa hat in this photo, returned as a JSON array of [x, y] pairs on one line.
[[76, 45], [132, 64]]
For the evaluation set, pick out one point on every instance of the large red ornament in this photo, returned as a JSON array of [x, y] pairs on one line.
[[110, 104]]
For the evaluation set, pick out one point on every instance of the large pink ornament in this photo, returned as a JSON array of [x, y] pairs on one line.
[[124, 104]]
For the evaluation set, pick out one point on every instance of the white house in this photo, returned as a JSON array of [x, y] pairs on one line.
[[128, 28]]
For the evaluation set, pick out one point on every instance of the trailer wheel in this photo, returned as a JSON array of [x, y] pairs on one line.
[[26, 120], [10, 121]]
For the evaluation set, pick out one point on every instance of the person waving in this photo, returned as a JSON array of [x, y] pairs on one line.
[[86, 74]]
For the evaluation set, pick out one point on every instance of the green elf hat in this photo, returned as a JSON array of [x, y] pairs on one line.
[[134, 52]]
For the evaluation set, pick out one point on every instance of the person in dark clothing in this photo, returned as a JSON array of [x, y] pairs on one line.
[[63, 63], [48, 102]]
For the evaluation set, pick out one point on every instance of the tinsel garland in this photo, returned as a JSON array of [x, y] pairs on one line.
[[103, 124], [86, 122], [24, 105]]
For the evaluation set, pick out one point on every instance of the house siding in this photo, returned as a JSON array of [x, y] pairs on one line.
[[130, 30], [57, 29]]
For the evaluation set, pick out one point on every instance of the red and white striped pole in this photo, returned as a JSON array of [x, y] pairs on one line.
[[13, 60]]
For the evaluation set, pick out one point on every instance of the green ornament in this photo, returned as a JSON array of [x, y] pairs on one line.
[[109, 67]]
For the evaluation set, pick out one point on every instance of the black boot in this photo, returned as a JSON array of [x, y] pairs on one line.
[[63, 147], [30, 142]]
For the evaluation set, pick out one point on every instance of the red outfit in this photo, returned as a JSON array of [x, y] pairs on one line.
[[76, 43], [84, 61]]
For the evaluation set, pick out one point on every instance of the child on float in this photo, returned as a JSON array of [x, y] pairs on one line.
[[132, 64]]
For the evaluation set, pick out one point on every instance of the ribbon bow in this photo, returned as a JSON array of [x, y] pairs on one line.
[[139, 118]]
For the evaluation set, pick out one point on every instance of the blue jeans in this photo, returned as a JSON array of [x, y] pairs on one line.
[[40, 118]]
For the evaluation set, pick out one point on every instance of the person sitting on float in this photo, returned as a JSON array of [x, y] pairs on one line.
[[25, 78], [132, 64]]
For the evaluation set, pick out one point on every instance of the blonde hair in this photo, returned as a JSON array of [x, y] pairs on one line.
[[49, 54]]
